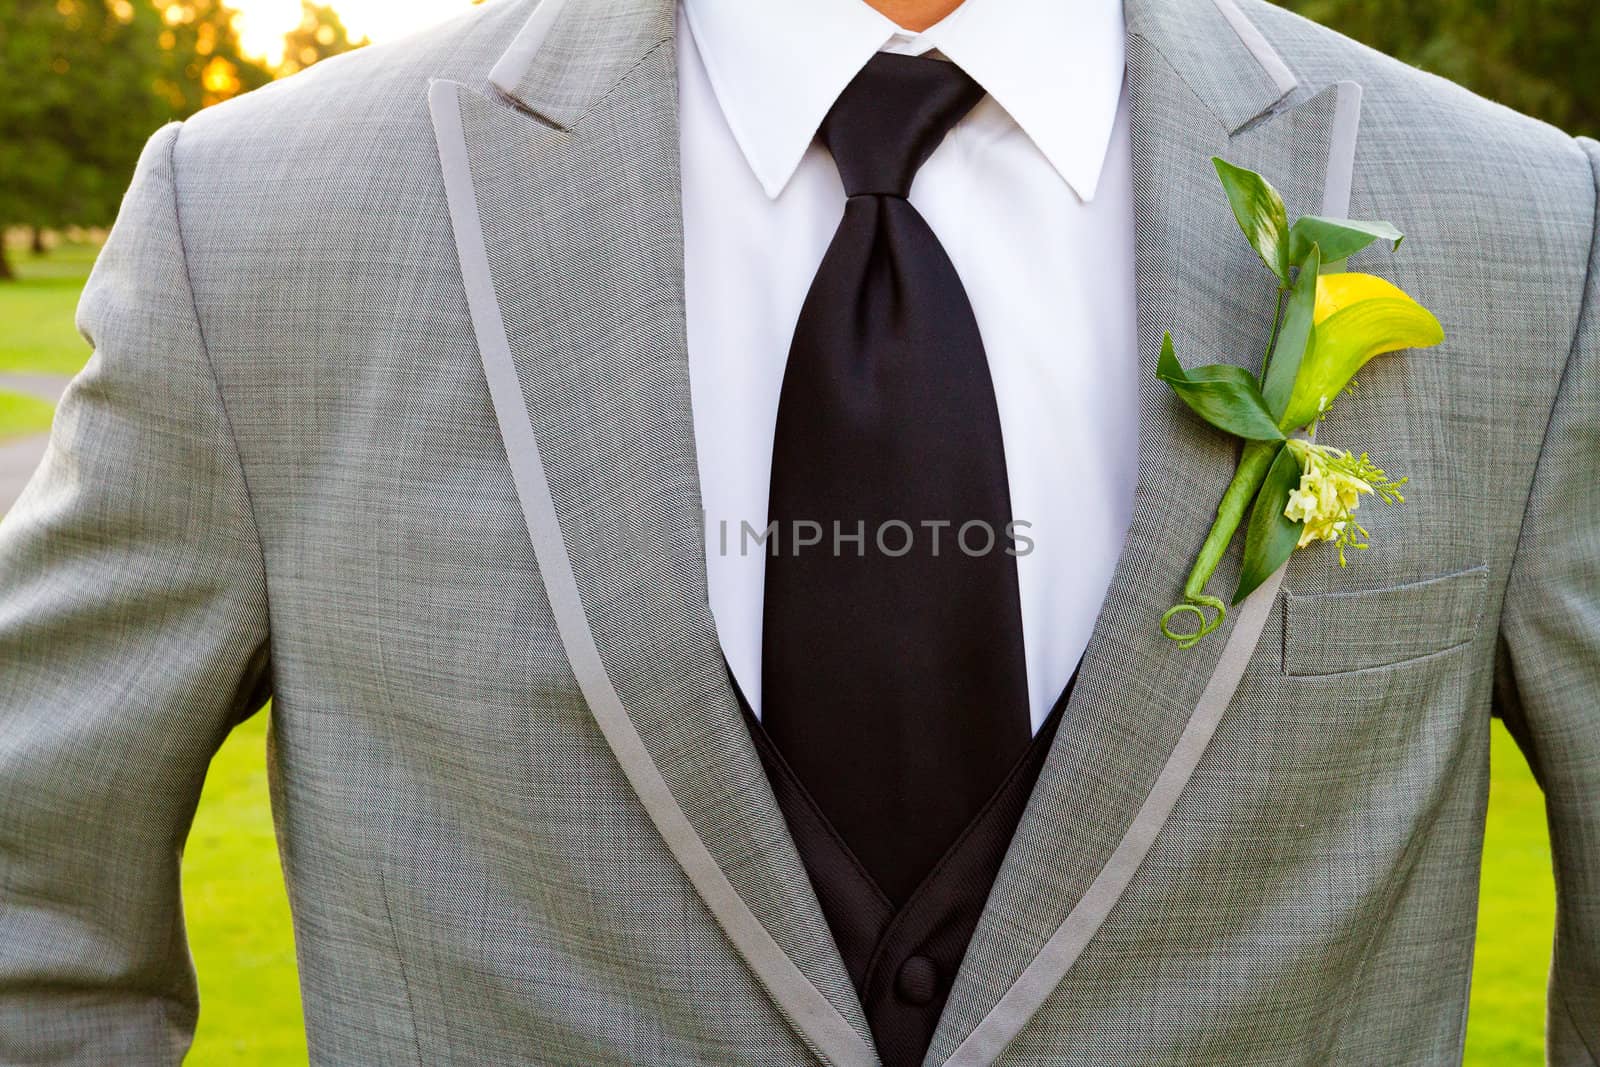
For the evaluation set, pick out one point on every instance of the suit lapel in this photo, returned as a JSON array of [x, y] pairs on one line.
[[563, 188], [1201, 82]]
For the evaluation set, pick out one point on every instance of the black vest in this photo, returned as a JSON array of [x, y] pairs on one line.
[[904, 960]]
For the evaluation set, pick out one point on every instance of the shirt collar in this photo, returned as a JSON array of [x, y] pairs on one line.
[[1056, 66]]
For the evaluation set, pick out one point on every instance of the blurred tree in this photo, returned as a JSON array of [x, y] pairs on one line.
[[77, 106], [320, 34], [202, 64], [87, 81], [1532, 55]]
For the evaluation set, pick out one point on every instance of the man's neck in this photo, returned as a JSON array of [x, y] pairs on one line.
[[915, 15]]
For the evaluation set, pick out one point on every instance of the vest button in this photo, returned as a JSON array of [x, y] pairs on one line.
[[918, 980]]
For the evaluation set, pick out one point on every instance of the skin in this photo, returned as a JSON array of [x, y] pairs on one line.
[[915, 15]]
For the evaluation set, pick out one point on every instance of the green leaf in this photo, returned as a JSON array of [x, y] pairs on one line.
[[1167, 365], [1294, 338], [1344, 342], [1260, 213], [1224, 395], [1270, 538], [1339, 238]]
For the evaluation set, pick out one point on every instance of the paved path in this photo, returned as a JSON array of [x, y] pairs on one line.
[[19, 456], [45, 386]]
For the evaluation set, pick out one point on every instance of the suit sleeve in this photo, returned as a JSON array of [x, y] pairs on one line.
[[1548, 681], [133, 636]]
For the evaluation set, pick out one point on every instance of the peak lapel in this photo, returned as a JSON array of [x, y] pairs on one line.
[[1143, 710], [567, 219]]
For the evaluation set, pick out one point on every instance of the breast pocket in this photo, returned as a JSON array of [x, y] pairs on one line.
[[1331, 633]]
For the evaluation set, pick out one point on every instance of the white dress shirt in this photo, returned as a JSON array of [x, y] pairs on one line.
[[1030, 194]]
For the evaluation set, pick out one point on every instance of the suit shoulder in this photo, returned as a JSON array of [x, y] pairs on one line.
[[1408, 101], [1503, 203], [350, 102]]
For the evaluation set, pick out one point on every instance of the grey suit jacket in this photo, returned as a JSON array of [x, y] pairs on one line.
[[389, 418]]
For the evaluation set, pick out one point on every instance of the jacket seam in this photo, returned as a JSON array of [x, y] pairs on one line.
[[1473, 572], [400, 962], [1177, 72], [211, 370], [1583, 1038], [1566, 366], [609, 93], [1408, 661]]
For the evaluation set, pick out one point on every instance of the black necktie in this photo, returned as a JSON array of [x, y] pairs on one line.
[[893, 678]]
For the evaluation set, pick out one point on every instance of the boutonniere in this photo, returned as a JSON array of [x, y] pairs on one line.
[[1326, 326]]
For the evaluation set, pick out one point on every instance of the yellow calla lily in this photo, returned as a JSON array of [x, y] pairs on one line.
[[1338, 291], [1295, 491], [1355, 317]]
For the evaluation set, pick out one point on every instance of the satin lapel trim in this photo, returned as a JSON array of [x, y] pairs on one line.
[[593, 407], [1040, 978], [1068, 854], [1271, 63]]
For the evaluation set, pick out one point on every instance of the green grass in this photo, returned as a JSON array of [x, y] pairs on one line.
[[21, 414], [1516, 917], [37, 335], [250, 1005], [238, 915]]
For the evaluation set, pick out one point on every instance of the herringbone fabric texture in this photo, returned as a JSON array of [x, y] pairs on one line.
[[282, 472]]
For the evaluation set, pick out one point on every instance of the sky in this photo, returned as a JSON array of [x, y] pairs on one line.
[[262, 23]]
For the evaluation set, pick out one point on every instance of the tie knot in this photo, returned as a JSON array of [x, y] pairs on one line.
[[891, 117]]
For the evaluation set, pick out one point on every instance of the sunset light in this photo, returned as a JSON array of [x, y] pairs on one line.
[[262, 23]]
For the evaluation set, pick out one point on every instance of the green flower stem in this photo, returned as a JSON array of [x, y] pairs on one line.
[[1277, 323], [1254, 463]]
